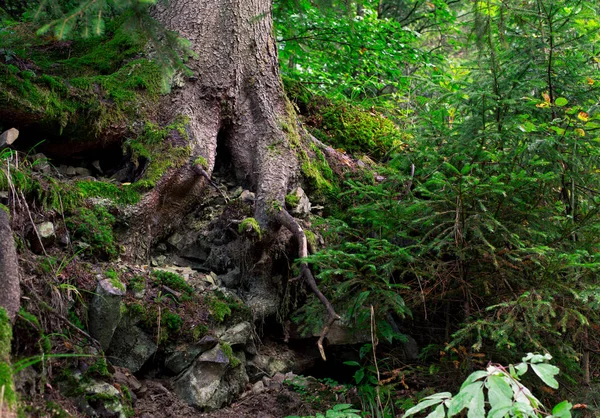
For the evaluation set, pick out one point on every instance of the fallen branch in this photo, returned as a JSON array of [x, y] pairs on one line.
[[288, 221]]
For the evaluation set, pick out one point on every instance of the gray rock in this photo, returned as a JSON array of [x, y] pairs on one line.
[[130, 347], [237, 335], [46, 230], [40, 163], [183, 355], [258, 387], [70, 171], [83, 172], [247, 196], [302, 208], [105, 312], [232, 279], [103, 399], [8, 137], [211, 382], [96, 165], [410, 349], [218, 260], [175, 239]]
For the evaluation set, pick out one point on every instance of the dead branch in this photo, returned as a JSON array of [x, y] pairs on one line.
[[288, 221]]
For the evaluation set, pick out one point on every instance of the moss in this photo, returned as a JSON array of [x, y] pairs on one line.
[[172, 321], [113, 276], [99, 368], [6, 373], [311, 238], [4, 208], [137, 283], [174, 281], [94, 227], [292, 200], [219, 309], [136, 309], [228, 351], [250, 224], [199, 331], [123, 195], [201, 161]]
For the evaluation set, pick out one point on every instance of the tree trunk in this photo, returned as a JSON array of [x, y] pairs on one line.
[[10, 295], [236, 96]]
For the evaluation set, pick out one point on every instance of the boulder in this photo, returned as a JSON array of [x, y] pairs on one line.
[[238, 334], [184, 355], [46, 230], [302, 208], [8, 137], [130, 346], [247, 196], [232, 278], [105, 311], [101, 399], [212, 381]]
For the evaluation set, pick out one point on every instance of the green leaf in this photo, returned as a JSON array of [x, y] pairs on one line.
[[473, 377], [424, 404], [464, 398], [499, 391], [561, 101], [546, 372], [477, 406], [352, 363], [359, 375], [562, 410], [437, 412]]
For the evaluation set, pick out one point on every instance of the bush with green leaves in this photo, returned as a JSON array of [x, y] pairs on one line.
[[337, 411], [497, 392]]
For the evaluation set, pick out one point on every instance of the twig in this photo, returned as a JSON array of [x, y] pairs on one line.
[[202, 172]]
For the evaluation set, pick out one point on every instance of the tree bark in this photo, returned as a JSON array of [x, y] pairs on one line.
[[10, 295], [236, 96]]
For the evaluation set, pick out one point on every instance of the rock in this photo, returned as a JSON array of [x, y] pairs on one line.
[[262, 365], [232, 278], [130, 347], [184, 272], [237, 192], [45, 230], [183, 355], [302, 208], [70, 171], [258, 387], [40, 163], [410, 349], [96, 165], [105, 312], [219, 260], [159, 260], [211, 382], [122, 376], [8, 137], [237, 335], [263, 298], [247, 196], [103, 399], [175, 239], [83, 172]]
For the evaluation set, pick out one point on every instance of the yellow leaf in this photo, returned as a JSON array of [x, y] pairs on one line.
[[590, 81], [583, 116], [543, 104], [580, 132], [546, 97]]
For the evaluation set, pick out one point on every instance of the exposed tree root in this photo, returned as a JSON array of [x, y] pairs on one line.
[[288, 221]]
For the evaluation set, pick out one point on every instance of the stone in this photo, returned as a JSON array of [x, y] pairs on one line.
[[410, 349], [40, 163], [219, 260], [105, 312], [211, 382], [302, 208], [122, 376], [82, 171], [70, 171], [8, 137], [232, 278], [237, 335], [175, 239], [103, 399], [130, 347], [258, 387], [184, 355], [45, 230], [247, 196], [342, 334], [96, 165]]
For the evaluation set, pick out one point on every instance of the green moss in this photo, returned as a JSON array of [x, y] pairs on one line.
[[228, 351], [199, 331], [124, 195], [172, 321], [4, 208], [201, 161], [136, 309], [292, 200], [174, 281], [113, 276], [311, 238], [219, 309], [137, 283], [250, 224], [94, 227], [99, 368], [6, 374]]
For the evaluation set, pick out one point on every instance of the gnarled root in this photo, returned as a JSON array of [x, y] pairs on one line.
[[288, 221]]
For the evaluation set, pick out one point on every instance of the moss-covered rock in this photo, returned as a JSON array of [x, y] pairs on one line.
[[6, 374]]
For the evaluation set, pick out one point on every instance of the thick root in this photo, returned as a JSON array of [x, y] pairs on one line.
[[288, 221]]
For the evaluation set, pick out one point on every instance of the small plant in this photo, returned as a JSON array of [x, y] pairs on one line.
[[342, 410], [201, 161], [172, 321], [218, 308], [506, 395], [137, 284], [250, 224], [99, 368], [228, 351], [292, 200], [94, 228], [113, 276], [174, 281]]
